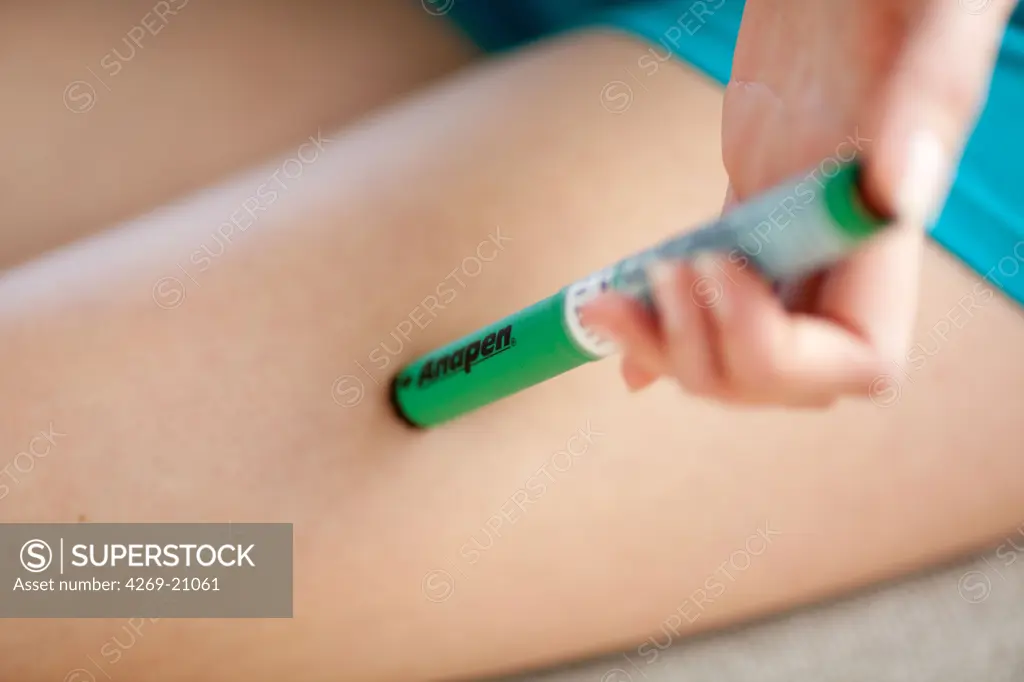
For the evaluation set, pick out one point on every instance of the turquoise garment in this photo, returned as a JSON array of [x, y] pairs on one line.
[[983, 221]]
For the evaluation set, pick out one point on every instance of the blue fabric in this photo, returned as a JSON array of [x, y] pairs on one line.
[[983, 221]]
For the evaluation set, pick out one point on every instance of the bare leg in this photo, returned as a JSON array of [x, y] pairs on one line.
[[222, 407], [122, 106]]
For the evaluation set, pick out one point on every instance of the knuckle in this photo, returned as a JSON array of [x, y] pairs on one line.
[[696, 383], [698, 380]]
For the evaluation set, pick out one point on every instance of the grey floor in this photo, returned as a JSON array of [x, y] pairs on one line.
[[963, 623]]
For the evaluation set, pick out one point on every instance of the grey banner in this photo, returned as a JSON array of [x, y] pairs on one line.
[[146, 570]]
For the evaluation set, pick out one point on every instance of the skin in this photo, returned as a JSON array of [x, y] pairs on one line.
[[904, 80], [116, 109], [223, 407]]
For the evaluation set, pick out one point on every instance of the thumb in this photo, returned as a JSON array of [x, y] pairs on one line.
[[930, 104]]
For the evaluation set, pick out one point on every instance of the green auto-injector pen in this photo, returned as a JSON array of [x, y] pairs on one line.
[[791, 231]]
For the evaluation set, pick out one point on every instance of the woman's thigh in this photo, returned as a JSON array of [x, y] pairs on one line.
[[222, 373], [113, 108]]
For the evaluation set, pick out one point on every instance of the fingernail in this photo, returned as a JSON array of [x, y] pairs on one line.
[[925, 179], [709, 289], [662, 276]]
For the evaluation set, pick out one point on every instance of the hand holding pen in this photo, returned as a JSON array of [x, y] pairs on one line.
[[900, 80]]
